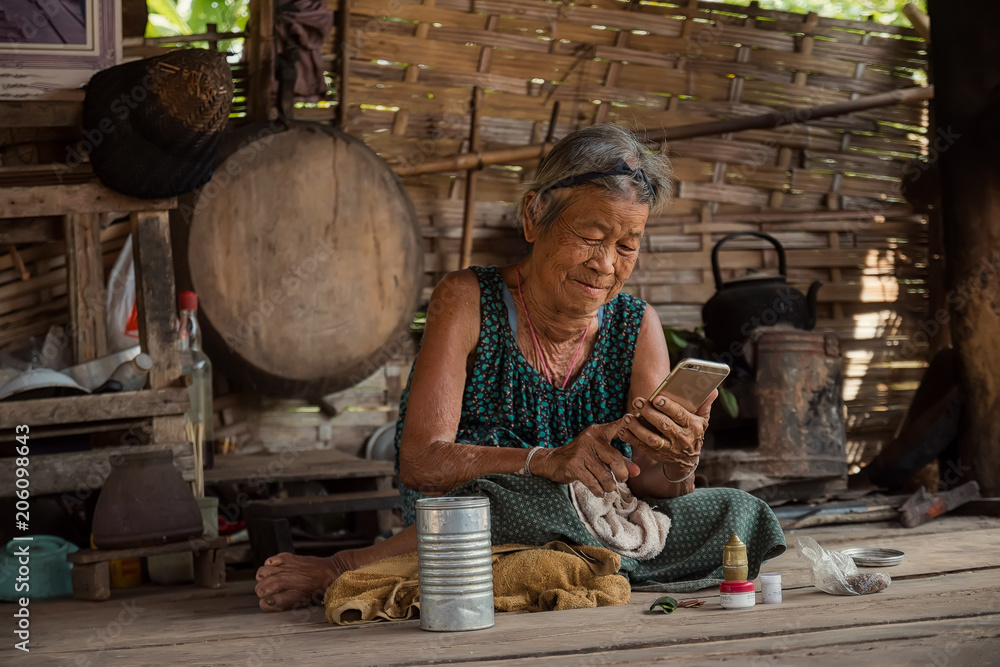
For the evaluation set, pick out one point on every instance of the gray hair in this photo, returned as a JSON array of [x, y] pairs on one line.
[[598, 148]]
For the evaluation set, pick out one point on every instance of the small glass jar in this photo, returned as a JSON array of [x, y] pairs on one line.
[[737, 594], [770, 588]]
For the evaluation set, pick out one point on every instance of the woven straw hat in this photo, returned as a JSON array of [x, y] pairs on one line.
[[155, 125]]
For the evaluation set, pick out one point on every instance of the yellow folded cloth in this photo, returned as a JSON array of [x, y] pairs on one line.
[[553, 576]]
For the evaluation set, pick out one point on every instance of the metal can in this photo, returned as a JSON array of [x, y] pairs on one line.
[[456, 564]]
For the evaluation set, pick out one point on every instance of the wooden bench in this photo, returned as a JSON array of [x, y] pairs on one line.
[[268, 520], [270, 531], [92, 571]]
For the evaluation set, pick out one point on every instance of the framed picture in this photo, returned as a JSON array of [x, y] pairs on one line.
[[48, 46]]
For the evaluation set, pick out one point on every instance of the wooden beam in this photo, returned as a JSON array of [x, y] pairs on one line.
[[769, 120], [966, 145], [38, 113], [93, 408], [25, 202], [85, 286], [344, 62], [32, 230], [83, 473], [260, 59], [187, 546], [154, 293]]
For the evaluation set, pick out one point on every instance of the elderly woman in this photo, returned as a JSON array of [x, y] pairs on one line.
[[544, 368]]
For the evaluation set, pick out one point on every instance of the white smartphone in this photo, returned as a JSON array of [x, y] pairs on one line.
[[691, 382]]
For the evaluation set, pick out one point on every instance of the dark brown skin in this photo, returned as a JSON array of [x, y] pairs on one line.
[[574, 268]]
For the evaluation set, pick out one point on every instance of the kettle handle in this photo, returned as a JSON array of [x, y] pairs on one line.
[[717, 272]]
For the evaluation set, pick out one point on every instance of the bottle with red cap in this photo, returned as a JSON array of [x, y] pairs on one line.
[[197, 367]]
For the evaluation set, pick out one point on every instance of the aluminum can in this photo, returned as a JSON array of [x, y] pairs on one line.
[[456, 564]]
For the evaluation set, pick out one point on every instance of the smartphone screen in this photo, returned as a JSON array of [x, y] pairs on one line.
[[691, 382]]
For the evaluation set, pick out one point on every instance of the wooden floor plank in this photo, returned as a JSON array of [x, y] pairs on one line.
[[940, 642], [178, 625], [201, 636]]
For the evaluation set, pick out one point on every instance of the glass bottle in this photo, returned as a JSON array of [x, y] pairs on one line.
[[197, 368]]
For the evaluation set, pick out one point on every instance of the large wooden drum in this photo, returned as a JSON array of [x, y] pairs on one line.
[[305, 252]]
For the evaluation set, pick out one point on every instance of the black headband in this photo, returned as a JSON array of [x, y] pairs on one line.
[[620, 169]]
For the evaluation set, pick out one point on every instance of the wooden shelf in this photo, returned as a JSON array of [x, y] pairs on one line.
[[66, 112], [103, 407], [293, 466], [24, 202], [82, 473]]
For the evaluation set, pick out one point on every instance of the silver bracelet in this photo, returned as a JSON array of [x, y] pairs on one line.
[[663, 469], [526, 470]]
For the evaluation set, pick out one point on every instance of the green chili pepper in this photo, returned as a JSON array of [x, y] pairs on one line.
[[667, 604]]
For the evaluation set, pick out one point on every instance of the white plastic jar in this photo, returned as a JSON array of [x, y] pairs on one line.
[[770, 586]]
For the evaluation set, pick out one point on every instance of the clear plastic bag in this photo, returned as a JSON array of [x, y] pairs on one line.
[[123, 325], [836, 573]]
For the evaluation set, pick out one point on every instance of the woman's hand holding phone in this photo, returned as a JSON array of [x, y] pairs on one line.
[[669, 433]]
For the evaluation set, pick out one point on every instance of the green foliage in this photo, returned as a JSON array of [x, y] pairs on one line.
[[191, 17], [882, 11], [666, 604], [681, 344], [729, 403]]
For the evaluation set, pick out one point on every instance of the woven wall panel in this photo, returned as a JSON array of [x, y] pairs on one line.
[[652, 65]]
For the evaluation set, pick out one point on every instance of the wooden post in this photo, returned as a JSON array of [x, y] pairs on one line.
[[469, 208], [91, 581], [344, 53], [84, 285], [260, 58], [966, 144], [213, 30], [469, 219], [402, 119], [154, 294]]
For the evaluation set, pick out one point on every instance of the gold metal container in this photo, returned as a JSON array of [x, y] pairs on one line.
[[734, 560]]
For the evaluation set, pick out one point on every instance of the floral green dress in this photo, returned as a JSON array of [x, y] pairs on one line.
[[507, 403]]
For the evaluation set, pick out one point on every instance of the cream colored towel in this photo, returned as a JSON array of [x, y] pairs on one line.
[[621, 522], [554, 576]]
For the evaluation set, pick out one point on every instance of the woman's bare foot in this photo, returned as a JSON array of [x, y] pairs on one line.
[[286, 580]]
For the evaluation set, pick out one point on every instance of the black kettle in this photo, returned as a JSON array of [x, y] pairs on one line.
[[754, 300]]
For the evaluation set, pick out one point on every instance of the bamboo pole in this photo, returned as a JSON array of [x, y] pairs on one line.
[[793, 116], [777, 215], [478, 160], [471, 176], [18, 262], [344, 70], [921, 22], [475, 160]]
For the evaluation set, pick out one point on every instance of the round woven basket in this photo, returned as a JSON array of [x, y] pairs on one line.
[[155, 125]]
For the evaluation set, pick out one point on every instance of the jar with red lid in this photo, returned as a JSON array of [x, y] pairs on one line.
[[737, 594]]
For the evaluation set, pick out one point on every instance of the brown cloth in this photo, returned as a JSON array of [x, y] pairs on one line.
[[305, 25], [553, 576]]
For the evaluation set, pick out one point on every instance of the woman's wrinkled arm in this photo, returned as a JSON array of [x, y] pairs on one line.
[[430, 461]]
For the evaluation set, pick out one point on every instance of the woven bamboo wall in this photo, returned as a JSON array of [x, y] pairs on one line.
[[651, 65], [648, 65]]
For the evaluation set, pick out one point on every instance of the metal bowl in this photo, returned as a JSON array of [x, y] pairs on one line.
[[381, 445], [93, 374], [41, 383], [872, 557]]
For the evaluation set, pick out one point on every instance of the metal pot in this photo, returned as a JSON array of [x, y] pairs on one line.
[[754, 300]]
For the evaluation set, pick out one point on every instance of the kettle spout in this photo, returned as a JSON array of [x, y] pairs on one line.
[[811, 304]]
